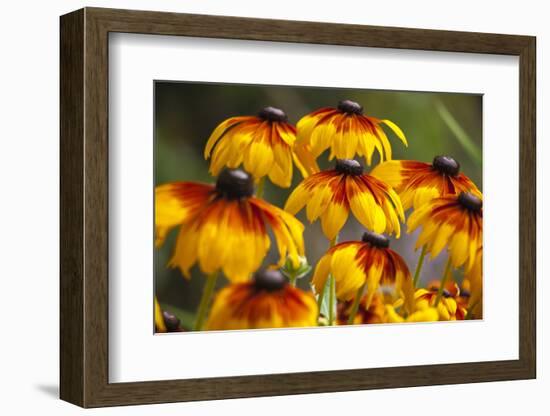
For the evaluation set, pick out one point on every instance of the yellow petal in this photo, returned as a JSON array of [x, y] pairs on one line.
[[459, 248], [320, 198], [393, 316], [258, 158], [176, 203], [390, 172], [304, 160], [426, 315], [367, 211], [219, 132], [333, 219], [186, 250], [321, 273], [441, 239], [385, 143], [160, 325], [281, 171], [348, 275], [398, 132], [424, 194], [297, 199]]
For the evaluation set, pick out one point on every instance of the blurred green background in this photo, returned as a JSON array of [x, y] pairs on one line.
[[186, 114]]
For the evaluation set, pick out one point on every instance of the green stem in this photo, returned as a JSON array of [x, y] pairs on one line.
[[320, 300], [261, 186], [443, 281], [293, 280], [321, 297], [332, 290], [419, 266], [331, 299], [355, 306], [204, 304]]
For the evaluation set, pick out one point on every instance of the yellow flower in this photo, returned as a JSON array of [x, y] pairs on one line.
[[418, 182], [423, 314], [371, 262], [455, 222], [224, 227], [374, 314], [165, 321], [331, 194], [262, 143], [160, 326], [346, 131], [267, 301], [448, 308]]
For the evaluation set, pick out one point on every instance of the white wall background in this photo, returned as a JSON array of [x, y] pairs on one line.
[[29, 159]]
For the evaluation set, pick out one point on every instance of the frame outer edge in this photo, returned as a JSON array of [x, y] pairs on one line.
[[72, 340], [84, 208], [528, 208]]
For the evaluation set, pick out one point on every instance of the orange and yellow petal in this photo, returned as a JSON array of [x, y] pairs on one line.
[[282, 168], [397, 130], [287, 229], [333, 218], [428, 314], [228, 236], [348, 274], [160, 325], [262, 147], [176, 203], [241, 306], [220, 131]]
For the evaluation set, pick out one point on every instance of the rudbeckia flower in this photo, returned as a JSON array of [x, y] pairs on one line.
[[369, 262], [455, 222], [262, 143], [418, 182], [160, 326], [374, 314], [424, 313], [166, 321], [346, 131], [224, 227], [448, 308], [331, 194], [267, 301]]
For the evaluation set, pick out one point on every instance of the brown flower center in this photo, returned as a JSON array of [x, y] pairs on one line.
[[349, 167], [375, 239], [270, 280], [470, 201], [350, 107], [446, 165], [465, 293], [171, 321], [272, 114], [235, 184]]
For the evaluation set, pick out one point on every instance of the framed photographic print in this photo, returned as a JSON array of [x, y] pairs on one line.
[[260, 207]]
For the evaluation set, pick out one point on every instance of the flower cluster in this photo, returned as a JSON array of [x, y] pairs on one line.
[[227, 228]]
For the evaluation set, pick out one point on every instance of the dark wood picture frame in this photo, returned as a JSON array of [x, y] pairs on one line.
[[84, 207]]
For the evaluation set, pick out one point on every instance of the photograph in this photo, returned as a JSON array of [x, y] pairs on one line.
[[295, 206]]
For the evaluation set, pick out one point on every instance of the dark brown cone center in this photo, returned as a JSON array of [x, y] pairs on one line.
[[235, 184], [349, 167], [272, 114], [470, 201], [446, 165], [350, 107], [375, 239], [270, 280]]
